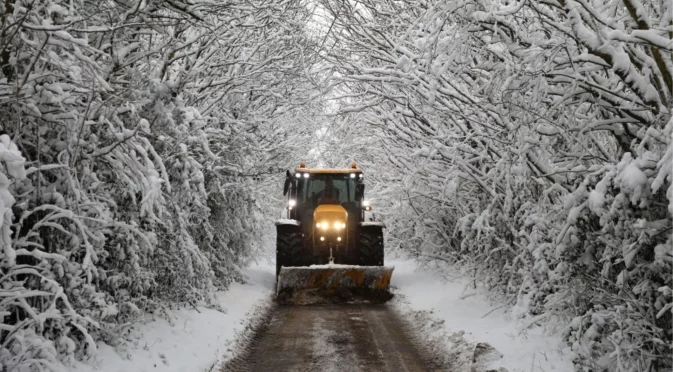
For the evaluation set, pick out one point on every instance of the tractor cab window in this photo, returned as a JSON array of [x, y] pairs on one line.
[[328, 189]]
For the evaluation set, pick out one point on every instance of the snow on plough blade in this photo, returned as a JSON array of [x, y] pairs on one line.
[[333, 284]]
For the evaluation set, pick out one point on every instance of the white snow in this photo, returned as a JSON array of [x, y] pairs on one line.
[[597, 197], [457, 307], [194, 340], [287, 222], [633, 180], [13, 165], [372, 223]]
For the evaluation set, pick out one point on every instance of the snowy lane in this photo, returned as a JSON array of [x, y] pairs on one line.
[[432, 324], [349, 337]]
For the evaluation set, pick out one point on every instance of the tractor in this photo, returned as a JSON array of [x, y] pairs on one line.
[[325, 243]]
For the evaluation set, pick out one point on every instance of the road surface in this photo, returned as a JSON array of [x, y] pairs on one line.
[[338, 337]]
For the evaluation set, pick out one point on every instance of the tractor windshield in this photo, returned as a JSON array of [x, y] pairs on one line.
[[327, 189]]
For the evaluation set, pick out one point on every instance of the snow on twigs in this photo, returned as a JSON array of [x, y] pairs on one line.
[[136, 155], [531, 143]]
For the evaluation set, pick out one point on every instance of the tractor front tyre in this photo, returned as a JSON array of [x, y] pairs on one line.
[[371, 246], [288, 246]]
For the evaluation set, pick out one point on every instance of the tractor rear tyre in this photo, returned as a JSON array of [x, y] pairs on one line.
[[371, 246], [288, 246]]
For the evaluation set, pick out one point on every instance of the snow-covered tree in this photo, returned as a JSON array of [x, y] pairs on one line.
[[135, 137], [535, 142]]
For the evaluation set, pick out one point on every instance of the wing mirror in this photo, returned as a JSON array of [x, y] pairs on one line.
[[288, 182], [359, 192]]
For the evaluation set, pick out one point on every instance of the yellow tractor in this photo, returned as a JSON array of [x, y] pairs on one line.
[[324, 246]]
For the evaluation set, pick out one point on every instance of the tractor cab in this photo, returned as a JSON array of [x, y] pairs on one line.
[[307, 189]]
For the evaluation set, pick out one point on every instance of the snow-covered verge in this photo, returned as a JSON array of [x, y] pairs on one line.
[[191, 339], [458, 320]]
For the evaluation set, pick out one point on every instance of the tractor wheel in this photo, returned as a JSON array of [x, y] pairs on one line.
[[288, 246], [371, 246]]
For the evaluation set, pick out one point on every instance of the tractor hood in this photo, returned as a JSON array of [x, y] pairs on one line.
[[330, 214]]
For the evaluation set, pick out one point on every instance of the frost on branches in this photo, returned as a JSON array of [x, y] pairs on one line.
[[133, 139], [536, 142]]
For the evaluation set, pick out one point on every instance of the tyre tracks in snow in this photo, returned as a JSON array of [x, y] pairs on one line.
[[334, 337]]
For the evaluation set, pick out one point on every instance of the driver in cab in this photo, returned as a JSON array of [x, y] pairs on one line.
[[329, 195]]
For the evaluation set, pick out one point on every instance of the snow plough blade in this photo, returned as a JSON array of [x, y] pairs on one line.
[[333, 284]]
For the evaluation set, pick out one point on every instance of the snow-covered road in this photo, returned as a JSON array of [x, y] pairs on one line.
[[345, 337], [431, 324]]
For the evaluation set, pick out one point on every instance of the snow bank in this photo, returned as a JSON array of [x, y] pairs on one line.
[[287, 222], [342, 266], [454, 307], [373, 223], [194, 340]]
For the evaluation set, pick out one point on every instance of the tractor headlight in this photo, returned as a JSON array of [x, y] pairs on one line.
[[326, 225]]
